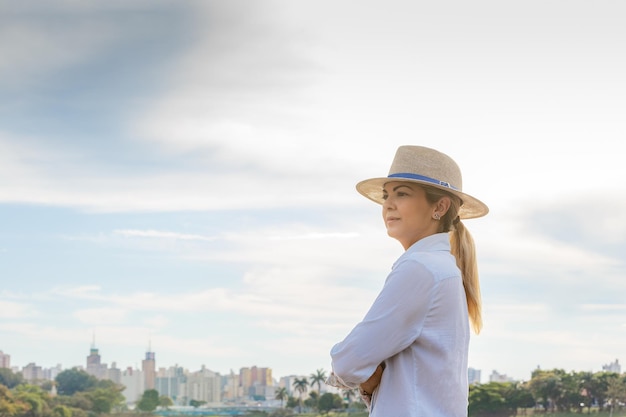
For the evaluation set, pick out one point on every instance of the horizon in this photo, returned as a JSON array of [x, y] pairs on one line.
[[136, 366]]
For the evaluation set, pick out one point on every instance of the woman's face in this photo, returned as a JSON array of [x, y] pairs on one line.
[[407, 213]]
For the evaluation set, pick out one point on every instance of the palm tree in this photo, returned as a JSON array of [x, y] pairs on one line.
[[281, 394], [301, 385], [317, 378], [349, 394]]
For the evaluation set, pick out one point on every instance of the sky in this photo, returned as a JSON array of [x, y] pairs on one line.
[[180, 176]]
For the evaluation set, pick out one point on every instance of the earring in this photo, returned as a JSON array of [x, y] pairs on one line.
[[436, 216]]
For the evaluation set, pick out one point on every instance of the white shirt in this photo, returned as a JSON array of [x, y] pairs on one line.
[[419, 326]]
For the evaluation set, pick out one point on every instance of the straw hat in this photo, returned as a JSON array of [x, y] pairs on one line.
[[426, 166]]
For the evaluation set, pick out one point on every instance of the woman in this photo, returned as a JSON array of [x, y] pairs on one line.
[[408, 356]]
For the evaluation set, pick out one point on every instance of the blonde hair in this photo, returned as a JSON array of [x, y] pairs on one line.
[[463, 248]]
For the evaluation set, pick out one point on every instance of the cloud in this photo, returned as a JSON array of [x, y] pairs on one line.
[[64, 36], [333, 235], [162, 235], [101, 316], [39, 332], [607, 308], [264, 295], [10, 310]]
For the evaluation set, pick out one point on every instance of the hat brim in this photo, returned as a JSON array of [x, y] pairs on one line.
[[470, 209]]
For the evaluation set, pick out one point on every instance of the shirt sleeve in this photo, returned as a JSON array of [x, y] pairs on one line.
[[393, 322]]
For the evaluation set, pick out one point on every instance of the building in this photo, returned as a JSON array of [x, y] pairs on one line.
[[32, 373], [288, 383], [231, 389], [497, 377], [5, 360], [254, 380], [613, 367], [94, 366], [50, 374], [473, 376], [114, 374], [133, 381], [203, 385], [171, 383], [148, 366]]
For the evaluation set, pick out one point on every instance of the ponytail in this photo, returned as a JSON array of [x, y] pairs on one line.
[[463, 248]]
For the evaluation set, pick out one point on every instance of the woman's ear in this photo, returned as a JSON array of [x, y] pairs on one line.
[[443, 205]]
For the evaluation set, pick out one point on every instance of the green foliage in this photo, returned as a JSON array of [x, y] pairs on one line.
[[149, 400], [292, 402], [555, 390], [165, 401], [487, 400], [281, 394], [517, 395], [616, 391], [80, 400], [26, 400], [61, 411], [35, 399], [546, 387], [105, 399], [301, 385], [74, 380], [312, 400], [196, 403], [328, 402], [318, 378], [8, 405], [10, 379]]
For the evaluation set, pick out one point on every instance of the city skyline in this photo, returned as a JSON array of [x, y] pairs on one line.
[[613, 366], [184, 173]]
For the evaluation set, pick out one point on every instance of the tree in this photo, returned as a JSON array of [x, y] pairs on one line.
[[487, 400], [196, 403], [10, 379], [616, 392], [516, 396], [149, 400], [165, 401], [587, 387], [61, 411], [105, 399], [74, 380], [602, 386], [301, 385], [78, 401], [546, 386], [317, 378], [35, 399], [281, 394], [328, 402], [292, 402], [312, 400], [349, 394], [8, 406]]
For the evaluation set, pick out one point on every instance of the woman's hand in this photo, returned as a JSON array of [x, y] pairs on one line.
[[368, 387]]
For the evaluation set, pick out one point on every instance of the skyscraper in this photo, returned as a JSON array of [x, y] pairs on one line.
[[94, 365], [5, 360], [148, 367]]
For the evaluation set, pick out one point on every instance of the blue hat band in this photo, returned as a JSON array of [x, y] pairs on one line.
[[423, 178]]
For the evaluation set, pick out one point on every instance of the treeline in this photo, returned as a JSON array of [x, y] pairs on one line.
[[82, 395], [550, 391], [78, 395]]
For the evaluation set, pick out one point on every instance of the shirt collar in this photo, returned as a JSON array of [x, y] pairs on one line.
[[432, 243]]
